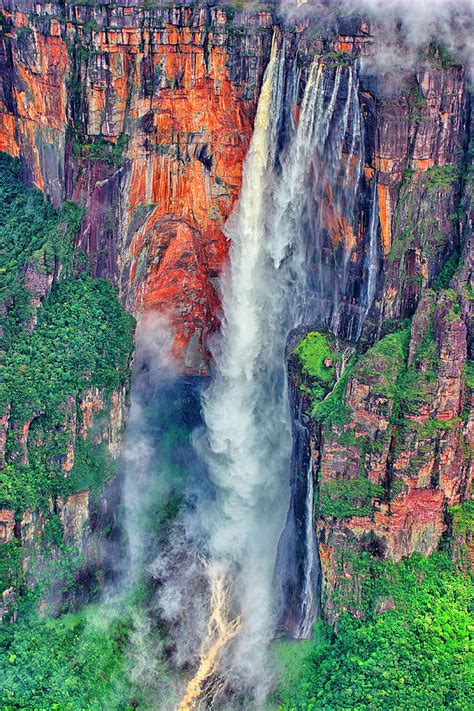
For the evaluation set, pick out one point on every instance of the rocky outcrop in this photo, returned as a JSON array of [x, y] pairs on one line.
[[392, 448], [143, 115]]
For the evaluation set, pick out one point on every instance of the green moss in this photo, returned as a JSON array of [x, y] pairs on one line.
[[317, 357], [451, 299], [382, 364], [433, 425], [416, 383], [442, 176], [463, 518], [333, 409], [343, 498]]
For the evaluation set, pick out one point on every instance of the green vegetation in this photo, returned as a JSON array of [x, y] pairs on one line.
[[450, 267], [463, 518], [439, 56], [343, 498], [83, 338], [101, 149], [418, 655], [10, 565], [442, 176], [86, 660], [415, 99], [382, 364], [415, 386], [333, 410], [294, 664], [31, 232], [318, 361], [469, 374], [317, 357], [402, 389], [340, 59]]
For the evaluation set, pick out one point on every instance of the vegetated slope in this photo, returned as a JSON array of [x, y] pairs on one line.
[[411, 648], [68, 344]]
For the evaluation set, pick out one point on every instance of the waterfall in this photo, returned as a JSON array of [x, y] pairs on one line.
[[372, 260], [316, 198], [247, 442], [309, 607], [291, 174], [373, 254]]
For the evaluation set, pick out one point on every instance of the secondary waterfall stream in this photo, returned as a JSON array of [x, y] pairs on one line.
[[278, 278]]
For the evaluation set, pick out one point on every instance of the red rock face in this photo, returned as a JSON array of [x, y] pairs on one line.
[[421, 461], [158, 107], [145, 116], [35, 66], [170, 96]]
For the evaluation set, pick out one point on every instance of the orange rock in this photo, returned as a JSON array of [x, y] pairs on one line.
[[385, 212]]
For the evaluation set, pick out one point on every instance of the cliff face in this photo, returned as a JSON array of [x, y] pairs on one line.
[[395, 453], [390, 449], [144, 117], [401, 452], [419, 153]]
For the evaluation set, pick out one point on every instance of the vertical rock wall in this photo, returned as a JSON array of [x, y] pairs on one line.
[[144, 116]]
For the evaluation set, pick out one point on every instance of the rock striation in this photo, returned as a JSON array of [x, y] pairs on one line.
[[143, 114]]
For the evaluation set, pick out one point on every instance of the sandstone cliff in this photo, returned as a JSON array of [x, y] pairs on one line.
[[143, 115]]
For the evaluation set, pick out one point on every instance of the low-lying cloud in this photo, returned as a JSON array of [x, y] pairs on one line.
[[401, 28]]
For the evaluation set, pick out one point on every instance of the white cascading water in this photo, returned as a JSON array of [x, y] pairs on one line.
[[248, 437], [308, 608], [373, 254], [247, 443], [372, 262]]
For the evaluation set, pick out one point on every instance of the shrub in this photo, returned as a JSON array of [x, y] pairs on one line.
[[418, 655]]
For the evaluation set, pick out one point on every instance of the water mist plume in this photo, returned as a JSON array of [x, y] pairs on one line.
[[275, 282], [154, 364]]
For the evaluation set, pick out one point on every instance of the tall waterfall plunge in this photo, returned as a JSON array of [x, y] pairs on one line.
[[284, 272]]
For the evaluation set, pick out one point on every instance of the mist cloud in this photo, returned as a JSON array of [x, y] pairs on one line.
[[154, 365], [401, 28]]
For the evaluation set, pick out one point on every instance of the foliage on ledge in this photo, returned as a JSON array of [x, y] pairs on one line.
[[413, 651]]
